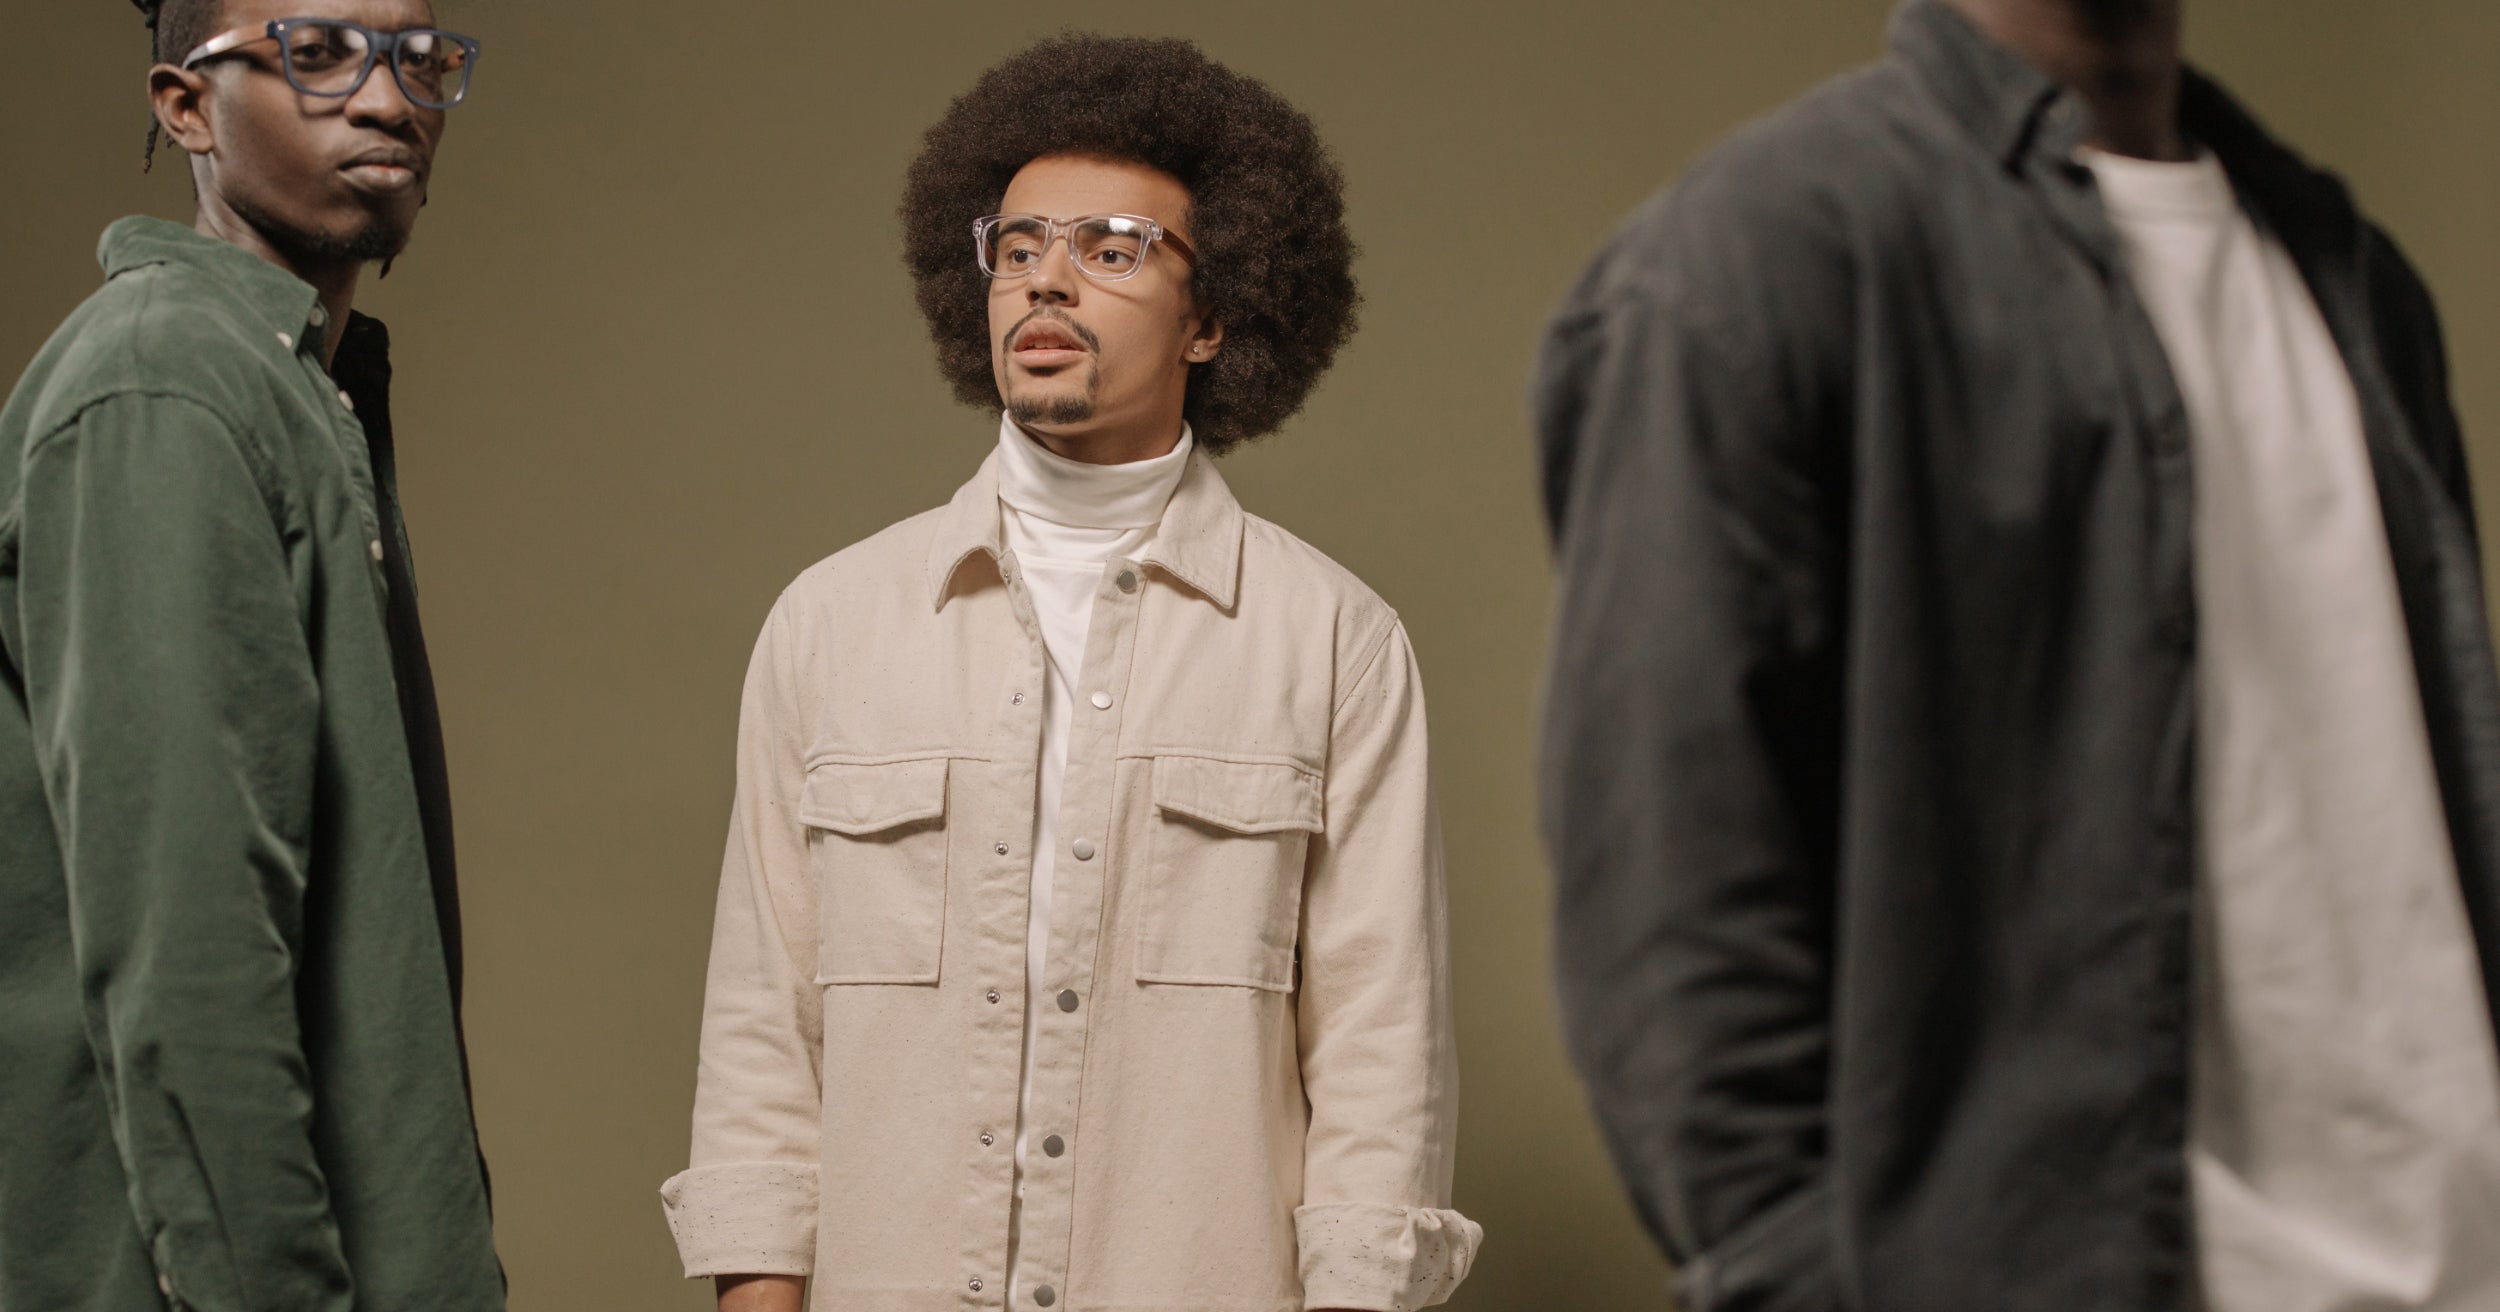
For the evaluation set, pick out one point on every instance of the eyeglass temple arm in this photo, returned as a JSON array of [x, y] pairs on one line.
[[225, 41]]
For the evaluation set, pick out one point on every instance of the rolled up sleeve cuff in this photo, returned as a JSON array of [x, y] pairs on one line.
[[743, 1218], [1383, 1259]]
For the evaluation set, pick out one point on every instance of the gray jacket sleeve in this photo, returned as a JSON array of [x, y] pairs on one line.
[[1691, 406]]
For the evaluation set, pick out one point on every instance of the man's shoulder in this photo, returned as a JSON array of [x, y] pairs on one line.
[[158, 331], [1304, 580], [1829, 170]]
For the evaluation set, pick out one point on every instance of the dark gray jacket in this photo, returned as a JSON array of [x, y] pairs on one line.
[[1868, 773]]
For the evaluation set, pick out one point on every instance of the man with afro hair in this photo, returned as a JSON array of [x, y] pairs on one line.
[[1081, 936], [229, 927]]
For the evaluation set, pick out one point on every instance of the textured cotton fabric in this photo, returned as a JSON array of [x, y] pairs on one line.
[[2345, 1138], [1243, 1077], [230, 1067], [1065, 520], [1870, 753]]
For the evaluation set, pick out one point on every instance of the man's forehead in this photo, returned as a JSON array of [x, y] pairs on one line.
[[1069, 186], [380, 15]]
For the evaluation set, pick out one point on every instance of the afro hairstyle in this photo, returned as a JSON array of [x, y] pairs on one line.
[[1266, 214]]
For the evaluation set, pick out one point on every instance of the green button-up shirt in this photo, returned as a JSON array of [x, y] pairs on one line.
[[230, 1065]]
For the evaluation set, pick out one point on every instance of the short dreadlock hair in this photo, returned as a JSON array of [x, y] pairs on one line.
[[1266, 214], [179, 27]]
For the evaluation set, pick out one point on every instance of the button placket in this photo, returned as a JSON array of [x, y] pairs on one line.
[[1085, 818], [993, 1069]]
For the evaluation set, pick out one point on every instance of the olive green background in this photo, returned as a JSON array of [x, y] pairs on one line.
[[657, 354]]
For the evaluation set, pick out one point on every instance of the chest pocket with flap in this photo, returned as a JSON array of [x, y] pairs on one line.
[[1222, 901], [876, 838]]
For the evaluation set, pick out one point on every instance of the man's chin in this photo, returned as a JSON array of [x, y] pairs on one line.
[[379, 239], [1045, 413], [371, 238], [1049, 407]]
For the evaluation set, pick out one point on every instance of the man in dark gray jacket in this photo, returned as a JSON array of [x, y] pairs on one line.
[[2022, 759]]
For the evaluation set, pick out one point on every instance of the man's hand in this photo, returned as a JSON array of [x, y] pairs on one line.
[[761, 1293]]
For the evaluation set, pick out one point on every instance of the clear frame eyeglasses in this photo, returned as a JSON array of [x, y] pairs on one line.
[[331, 58], [1104, 247]]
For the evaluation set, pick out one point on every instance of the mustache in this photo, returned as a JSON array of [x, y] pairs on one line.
[[1047, 313]]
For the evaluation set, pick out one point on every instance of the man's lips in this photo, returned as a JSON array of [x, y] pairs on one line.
[[1047, 337], [390, 169], [1046, 345]]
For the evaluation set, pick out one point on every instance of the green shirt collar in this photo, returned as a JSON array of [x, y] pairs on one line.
[[142, 240]]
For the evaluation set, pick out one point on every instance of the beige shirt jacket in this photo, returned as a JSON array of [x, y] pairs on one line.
[[1245, 1083]]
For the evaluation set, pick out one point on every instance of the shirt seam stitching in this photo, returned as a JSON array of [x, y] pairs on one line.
[[1363, 668]]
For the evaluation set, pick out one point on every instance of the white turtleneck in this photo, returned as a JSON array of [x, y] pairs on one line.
[[1065, 521]]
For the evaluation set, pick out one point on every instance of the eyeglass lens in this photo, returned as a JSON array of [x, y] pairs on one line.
[[1108, 248], [331, 59]]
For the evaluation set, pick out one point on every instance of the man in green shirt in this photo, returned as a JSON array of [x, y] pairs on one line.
[[231, 1074]]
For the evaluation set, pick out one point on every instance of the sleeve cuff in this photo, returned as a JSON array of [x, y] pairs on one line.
[[1383, 1259], [743, 1218]]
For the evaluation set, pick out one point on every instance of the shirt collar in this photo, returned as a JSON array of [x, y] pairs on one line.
[[2017, 111], [1995, 94], [286, 301], [1046, 485], [1198, 542]]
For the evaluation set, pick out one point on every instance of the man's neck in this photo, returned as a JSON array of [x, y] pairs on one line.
[[2121, 56], [333, 282]]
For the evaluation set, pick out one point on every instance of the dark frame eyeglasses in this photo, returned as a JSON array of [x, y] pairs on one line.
[[432, 67], [1104, 247]]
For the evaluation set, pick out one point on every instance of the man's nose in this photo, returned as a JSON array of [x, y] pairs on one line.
[[1055, 279], [380, 103]]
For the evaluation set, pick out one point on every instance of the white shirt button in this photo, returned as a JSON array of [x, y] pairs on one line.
[[346, 400], [376, 549], [164, 1284], [1102, 701], [1084, 849], [286, 341], [319, 316]]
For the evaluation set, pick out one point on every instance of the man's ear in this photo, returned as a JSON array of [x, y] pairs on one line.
[[1205, 342], [180, 99]]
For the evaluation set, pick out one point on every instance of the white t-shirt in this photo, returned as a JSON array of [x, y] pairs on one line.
[[1065, 521], [2344, 1150]]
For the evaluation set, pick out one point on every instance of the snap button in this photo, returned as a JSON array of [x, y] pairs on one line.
[[1127, 580], [320, 317], [1055, 1146], [1084, 849], [1067, 999], [1102, 701], [1017, 700], [976, 1284], [1045, 1296], [1002, 849], [988, 1138], [993, 996]]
